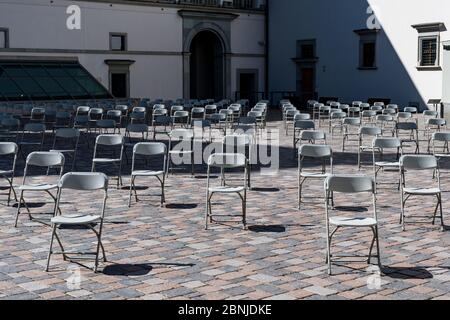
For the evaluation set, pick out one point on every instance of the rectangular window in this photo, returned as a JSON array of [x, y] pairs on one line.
[[306, 49], [118, 41], [4, 41], [429, 51], [368, 52], [367, 48]]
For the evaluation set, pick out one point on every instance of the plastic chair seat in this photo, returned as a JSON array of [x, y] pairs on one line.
[[387, 164], [315, 175], [148, 173], [75, 219], [226, 189], [352, 222], [37, 187], [63, 151], [422, 191], [105, 160], [180, 152]]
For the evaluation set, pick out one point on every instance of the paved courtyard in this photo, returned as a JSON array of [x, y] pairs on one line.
[[165, 253]]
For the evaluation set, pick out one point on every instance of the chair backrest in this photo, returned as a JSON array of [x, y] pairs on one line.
[[304, 125], [139, 110], [368, 113], [410, 109], [34, 127], [437, 122], [302, 116], [237, 140], [10, 123], [441, 136], [109, 140], [404, 115], [150, 149], [106, 123], [352, 121], [181, 114], [338, 115], [114, 113], [385, 118], [227, 160], [45, 159], [418, 162], [370, 131], [67, 133], [313, 135], [7, 148], [406, 126], [137, 128], [387, 143], [350, 184], [181, 134], [247, 120], [315, 151], [84, 181], [430, 113]]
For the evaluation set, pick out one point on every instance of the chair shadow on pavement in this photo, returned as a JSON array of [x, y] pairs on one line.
[[138, 269]]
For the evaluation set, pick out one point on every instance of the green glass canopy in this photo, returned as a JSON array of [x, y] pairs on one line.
[[52, 80]]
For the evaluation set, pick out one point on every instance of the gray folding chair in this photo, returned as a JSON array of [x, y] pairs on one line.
[[413, 164], [70, 136], [379, 146], [181, 144], [109, 141], [44, 160], [412, 130], [351, 129], [372, 132], [77, 182], [240, 143], [33, 136], [223, 162], [148, 149], [350, 185], [323, 153], [9, 149], [441, 140], [299, 127]]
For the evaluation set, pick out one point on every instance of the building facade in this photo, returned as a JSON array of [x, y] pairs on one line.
[[169, 49], [359, 49]]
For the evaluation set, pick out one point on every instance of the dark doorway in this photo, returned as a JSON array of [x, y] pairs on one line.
[[119, 85], [308, 83], [207, 67], [248, 87]]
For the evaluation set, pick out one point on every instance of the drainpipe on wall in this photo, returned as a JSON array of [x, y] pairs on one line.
[[266, 67]]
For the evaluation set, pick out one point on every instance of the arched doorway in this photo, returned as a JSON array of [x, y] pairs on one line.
[[207, 66]]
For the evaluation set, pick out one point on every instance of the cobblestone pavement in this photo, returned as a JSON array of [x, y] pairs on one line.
[[165, 253]]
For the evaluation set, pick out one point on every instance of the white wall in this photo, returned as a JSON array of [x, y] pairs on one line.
[[155, 40], [333, 23]]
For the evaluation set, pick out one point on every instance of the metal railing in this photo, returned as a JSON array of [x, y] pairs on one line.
[[233, 4]]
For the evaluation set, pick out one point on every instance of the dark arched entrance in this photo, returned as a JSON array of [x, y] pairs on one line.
[[207, 66]]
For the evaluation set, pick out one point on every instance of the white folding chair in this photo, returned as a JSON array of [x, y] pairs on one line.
[[68, 135], [413, 164], [372, 132], [86, 182], [350, 185], [240, 143], [379, 146], [9, 149], [44, 160], [109, 142], [181, 144], [223, 162], [323, 153], [148, 149]]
